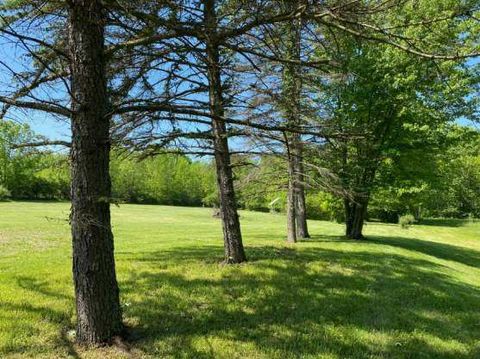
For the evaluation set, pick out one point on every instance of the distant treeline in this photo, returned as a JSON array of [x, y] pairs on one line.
[[441, 182]]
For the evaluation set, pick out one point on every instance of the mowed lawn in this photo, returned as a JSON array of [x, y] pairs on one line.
[[411, 293]]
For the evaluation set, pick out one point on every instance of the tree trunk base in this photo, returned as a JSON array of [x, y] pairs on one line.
[[96, 341], [230, 261], [359, 237]]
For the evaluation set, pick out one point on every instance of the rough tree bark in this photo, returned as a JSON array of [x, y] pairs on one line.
[[355, 219], [348, 205], [301, 205], [291, 200], [292, 87], [98, 309], [234, 251], [356, 208]]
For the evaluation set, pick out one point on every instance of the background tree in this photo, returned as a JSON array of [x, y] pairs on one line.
[[291, 106], [389, 100]]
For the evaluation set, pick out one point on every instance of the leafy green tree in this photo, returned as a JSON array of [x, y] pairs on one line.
[[17, 165], [384, 100], [437, 177]]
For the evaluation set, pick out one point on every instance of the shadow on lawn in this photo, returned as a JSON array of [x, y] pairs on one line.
[[44, 314], [326, 238], [294, 302], [310, 302], [439, 250]]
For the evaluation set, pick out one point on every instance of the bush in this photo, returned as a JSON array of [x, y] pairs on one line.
[[324, 206], [211, 200], [406, 221], [4, 193]]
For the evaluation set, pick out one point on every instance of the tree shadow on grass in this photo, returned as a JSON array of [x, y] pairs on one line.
[[443, 251], [44, 314], [291, 302], [310, 302], [326, 238], [41, 287]]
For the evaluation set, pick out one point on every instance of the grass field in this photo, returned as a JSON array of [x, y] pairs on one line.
[[402, 294]]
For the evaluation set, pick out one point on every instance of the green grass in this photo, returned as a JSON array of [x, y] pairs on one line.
[[402, 294]]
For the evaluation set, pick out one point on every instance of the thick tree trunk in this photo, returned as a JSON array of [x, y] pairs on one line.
[[234, 251], [300, 202], [96, 291], [356, 218]]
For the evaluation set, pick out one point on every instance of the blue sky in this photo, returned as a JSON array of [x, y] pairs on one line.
[[55, 129], [42, 123], [49, 127]]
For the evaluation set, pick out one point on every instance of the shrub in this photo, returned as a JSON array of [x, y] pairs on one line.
[[406, 221], [324, 206], [211, 200], [4, 193]]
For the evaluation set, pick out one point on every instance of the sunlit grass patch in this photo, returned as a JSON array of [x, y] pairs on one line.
[[399, 294]]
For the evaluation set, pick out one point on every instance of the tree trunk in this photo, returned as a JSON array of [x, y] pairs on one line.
[[358, 210], [300, 203], [349, 206], [358, 220], [292, 87], [98, 309], [291, 202], [234, 252]]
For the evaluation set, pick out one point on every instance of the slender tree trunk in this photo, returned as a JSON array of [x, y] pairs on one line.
[[291, 202], [292, 87], [96, 291], [349, 206], [234, 251], [300, 203], [296, 189]]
